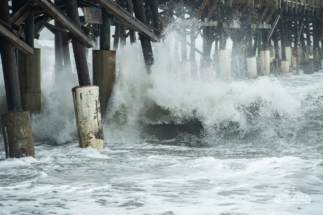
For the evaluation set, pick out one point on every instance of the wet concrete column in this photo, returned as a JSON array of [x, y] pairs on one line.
[[30, 81], [252, 67], [277, 60], [104, 69], [29, 71], [295, 61], [284, 62], [104, 64], [316, 46], [309, 61], [193, 37], [207, 71], [185, 65], [224, 57], [251, 59], [88, 116]]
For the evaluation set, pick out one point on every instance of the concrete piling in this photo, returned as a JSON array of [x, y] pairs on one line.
[[86, 96], [288, 55], [295, 66], [185, 70], [208, 74], [17, 133], [252, 67], [285, 67], [265, 62], [104, 69], [88, 116], [224, 64], [30, 81], [16, 125]]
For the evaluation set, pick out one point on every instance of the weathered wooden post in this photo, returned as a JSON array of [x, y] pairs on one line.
[[321, 39], [265, 56], [309, 64], [116, 37], [206, 68], [58, 49], [185, 64], [193, 37], [104, 64], [277, 61], [216, 64], [284, 62], [29, 72], [235, 58], [303, 53], [66, 54], [86, 96], [288, 49], [131, 32], [251, 59], [295, 51], [145, 42], [16, 125], [94, 36], [316, 46], [122, 32], [224, 57], [154, 10]]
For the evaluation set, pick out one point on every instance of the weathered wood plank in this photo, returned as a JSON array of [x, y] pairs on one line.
[[132, 32], [126, 17], [139, 10], [270, 14], [212, 9], [201, 9], [13, 40], [65, 21], [20, 15], [39, 27], [263, 15], [234, 14]]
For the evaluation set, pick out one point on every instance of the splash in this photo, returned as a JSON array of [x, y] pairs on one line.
[[223, 108]]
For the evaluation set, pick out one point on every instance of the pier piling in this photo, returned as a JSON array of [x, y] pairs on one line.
[[16, 124], [86, 97]]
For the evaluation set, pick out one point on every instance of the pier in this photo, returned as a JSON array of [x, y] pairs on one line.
[[269, 37]]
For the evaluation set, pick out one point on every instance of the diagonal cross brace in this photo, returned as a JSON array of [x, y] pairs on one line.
[[127, 18], [6, 33], [65, 21]]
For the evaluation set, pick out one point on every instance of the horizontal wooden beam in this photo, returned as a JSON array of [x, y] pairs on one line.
[[201, 9], [127, 18], [263, 15], [54, 28], [212, 9], [14, 40], [65, 21], [20, 15]]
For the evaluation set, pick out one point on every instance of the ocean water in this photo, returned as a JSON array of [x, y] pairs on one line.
[[173, 146]]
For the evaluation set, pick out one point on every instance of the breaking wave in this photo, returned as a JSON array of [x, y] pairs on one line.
[[142, 104]]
